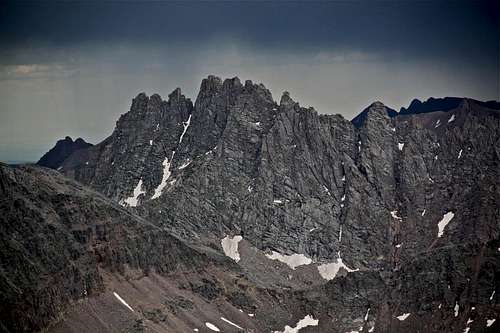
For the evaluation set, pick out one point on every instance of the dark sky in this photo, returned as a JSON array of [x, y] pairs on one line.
[[71, 68]]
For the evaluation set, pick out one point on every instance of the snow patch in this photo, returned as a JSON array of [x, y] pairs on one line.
[[164, 178], [122, 301], [251, 314], [306, 321], [293, 261], [444, 222], [399, 245], [343, 198], [490, 322], [230, 247], [276, 201], [423, 213], [401, 145], [403, 316], [340, 234], [329, 271], [395, 216], [212, 327], [492, 294], [359, 145], [231, 323], [438, 122], [150, 142], [452, 118], [132, 200], [460, 153], [456, 309]]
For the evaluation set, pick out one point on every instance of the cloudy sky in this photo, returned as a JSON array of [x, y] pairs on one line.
[[71, 68]]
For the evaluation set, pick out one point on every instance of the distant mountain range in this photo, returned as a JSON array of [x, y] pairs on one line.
[[236, 213]]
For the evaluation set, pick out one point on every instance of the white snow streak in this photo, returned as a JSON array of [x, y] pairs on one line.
[[231, 323], [403, 316], [444, 222], [150, 142], [132, 200], [490, 322], [326, 190], [166, 174], [460, 153], [492, 294], [367, 313], [186, 125], [423, 213], [456, 309], [184, 165], [212, 327], [293, 261], [230, 247], [122, 301], [438, 122], [452, 118], [276, 201], [400, 146], [307, 321]]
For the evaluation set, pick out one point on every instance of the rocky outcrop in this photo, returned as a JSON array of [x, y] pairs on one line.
[[61, 151]]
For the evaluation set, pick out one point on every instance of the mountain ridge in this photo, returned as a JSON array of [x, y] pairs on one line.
[[387, 225]]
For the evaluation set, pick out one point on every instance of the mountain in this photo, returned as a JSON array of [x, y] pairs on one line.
[[443, 104], [61, 151], [388, 223]]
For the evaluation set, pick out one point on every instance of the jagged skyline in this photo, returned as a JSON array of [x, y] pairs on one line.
[[72, 68]]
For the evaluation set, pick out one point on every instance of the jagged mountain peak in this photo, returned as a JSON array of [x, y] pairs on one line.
[[445, 104], [376, 108], [61, 151], [286, 100]]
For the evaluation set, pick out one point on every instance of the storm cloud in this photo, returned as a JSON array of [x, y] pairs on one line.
[[73, 68]]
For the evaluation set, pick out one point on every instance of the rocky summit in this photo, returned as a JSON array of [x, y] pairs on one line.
[[236, 213]]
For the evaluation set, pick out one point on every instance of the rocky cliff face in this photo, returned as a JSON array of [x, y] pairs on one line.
[[389, 223], [61, 151]]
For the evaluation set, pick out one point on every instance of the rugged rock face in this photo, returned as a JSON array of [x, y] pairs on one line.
[[388, 223], [61, 151], [56, 237]]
